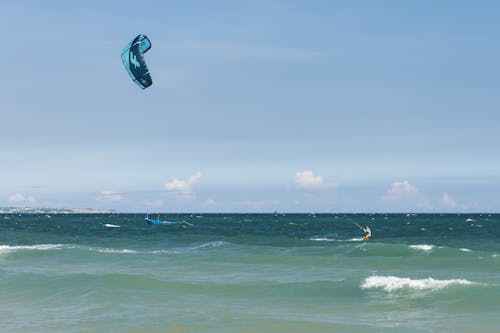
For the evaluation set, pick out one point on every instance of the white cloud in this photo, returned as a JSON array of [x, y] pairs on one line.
[[307, 179], [403, 196], [402, 189], [448, 200], [183, 186], [110, 196], [19, 198]]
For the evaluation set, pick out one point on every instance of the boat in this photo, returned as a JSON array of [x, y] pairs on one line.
[[159, 222]]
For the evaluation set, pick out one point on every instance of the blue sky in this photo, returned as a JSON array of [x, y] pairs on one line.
[[256, 106]]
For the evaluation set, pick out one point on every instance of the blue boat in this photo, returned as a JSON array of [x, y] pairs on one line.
[[159, 222]]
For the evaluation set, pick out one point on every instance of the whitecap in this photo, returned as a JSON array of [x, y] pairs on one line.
[[8, 248], [127, 251], [392, 283], [423, 247], [117, 251], [107, 225], [465, 250], [211, 244], [470, 220]]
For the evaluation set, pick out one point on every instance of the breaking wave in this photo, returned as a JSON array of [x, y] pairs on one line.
[[423, 247], [392, 283], [9, 248]]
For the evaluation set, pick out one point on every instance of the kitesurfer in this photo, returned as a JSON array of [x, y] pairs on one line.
[[368, 233]]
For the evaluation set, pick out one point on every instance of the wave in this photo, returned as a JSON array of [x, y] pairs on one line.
[[45, 247], [107, 225], [9, 248], [423, 247], [118, 250], [392, 283], [115, 250], [127, 251], [163, 251], [210, 244]]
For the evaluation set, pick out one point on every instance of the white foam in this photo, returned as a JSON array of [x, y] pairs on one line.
[[465, 250], [423, 247], [470, 220], [127, 251], [211, 244], [9, 248], [392, 283], [115, 251], [107, 225], [322, 239]]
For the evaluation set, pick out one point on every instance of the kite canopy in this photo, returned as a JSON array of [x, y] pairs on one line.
[[133, 60]]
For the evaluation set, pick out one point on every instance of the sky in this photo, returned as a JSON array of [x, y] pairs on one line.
[[256, 106]]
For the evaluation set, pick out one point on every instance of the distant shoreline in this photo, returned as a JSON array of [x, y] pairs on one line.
[[45, 210]]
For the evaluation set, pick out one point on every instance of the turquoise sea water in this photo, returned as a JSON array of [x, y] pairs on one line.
[[250, 273]]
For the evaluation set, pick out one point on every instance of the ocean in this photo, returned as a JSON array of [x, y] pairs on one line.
[[250, 273]]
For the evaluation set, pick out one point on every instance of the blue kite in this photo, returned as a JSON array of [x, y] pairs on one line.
[[133, 60]]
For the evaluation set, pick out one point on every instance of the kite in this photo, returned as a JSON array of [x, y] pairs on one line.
[[133, 60]]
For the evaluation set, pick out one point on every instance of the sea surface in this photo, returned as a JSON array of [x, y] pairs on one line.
[[250, 273]]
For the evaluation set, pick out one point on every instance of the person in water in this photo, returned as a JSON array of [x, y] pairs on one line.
[[368, 233]]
